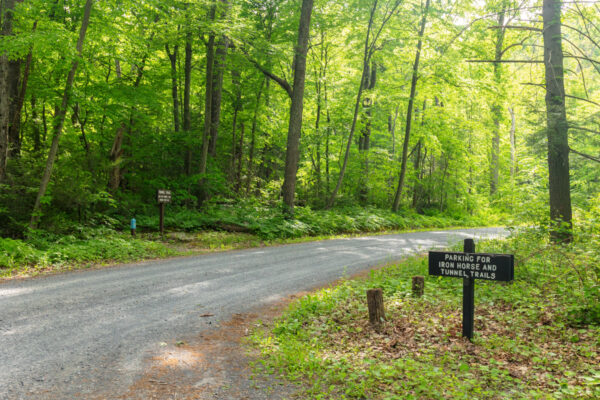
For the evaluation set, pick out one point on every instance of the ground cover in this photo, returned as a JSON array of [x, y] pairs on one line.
[[217, 227], [536, 338]]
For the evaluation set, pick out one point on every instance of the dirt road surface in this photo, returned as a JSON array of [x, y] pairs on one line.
[[120, 332]]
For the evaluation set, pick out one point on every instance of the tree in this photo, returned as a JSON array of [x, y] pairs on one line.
[[60, 116], [409, 111], [10, 70], [371, 39], [296, 108], [557, 128]]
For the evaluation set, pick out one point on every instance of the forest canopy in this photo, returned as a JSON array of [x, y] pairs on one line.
[[452, 107]]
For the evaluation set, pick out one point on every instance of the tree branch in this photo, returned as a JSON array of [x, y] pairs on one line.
[[285, 85], [517, 27], [580, 128], [521, 43], [507, 61], [584, 155], [566, 95], [582, 99]]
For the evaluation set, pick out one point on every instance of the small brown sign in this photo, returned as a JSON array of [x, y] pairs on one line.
[[163, 196]]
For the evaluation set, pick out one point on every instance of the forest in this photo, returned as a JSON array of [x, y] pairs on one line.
[[479, 111], [282, 121]]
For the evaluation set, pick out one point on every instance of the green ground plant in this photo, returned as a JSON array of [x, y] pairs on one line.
[[535, 338], [217, 226]]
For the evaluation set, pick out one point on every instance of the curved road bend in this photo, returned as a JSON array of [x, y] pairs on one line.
[[88, 333]]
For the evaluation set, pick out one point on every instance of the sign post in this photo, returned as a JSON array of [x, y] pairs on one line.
[[470, 266], [163, 197], [468, 296]]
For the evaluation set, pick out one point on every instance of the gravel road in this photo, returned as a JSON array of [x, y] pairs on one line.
[[90, 334]]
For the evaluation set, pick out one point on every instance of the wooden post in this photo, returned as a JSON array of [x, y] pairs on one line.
[[376, 310], [162, 219], [418, 286]]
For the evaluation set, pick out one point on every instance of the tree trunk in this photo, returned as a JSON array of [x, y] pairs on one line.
[[296, 108], [15, 127], [114, 179], [409, 112], [250, 169], [364, 143], [210, 63], [220, 57], [36, 134], [318, 134], [417, 162], [235, 79], [116, 151], [497, 108], [187, 87], [513, 151], [366, 60], [9, 80], [174, 87], [240, 155], [60, 116], [557, 126]]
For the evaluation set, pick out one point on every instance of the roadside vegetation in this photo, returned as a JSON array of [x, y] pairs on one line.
[[535, 338], [66, 245]]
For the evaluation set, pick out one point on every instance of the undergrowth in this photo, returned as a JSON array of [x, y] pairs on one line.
[[535, 338], [69, 245], [269, 222]]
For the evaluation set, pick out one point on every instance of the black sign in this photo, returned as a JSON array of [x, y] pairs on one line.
[[491, 267], [163, 196]]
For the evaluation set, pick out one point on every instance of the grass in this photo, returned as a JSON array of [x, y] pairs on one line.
[[535, 338], [191, 233]]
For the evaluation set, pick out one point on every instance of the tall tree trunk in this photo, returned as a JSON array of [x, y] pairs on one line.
[[220, 57], [365, 71], [240, 155], [513, 148], [9, 81], [174, 86], [327, 140], [409, 111], [235, 79], [497, 107], [392, 129], [250, 169], [36, 134], [417, 162], [557, 126], [15, 126], [187, 87], [296, 108], [116, 150], [210, 63], [60, 116], [318, 134], [364, 143]]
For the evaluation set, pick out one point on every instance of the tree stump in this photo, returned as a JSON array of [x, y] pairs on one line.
[[376, 310], [418, 286]]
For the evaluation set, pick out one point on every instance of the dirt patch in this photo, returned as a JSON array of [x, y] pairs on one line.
[[214, 365]]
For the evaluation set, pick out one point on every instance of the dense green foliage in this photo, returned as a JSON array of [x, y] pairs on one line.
[[73, 246], [537, 337], [126, 133]]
